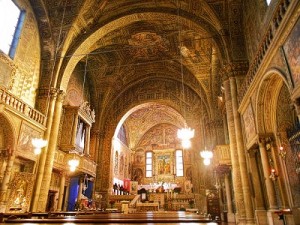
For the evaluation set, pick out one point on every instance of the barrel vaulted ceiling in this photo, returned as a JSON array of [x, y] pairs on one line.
[[122, 43]]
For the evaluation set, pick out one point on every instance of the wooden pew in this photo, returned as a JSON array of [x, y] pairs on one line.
[[117, 218]]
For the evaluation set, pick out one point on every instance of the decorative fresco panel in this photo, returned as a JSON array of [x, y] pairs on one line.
[[27, 133], [292, 52], [249, 123]]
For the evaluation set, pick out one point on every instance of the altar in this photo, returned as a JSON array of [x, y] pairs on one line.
[[147, 206]]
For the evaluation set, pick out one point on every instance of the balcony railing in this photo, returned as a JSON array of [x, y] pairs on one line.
[[20, 107], [271, 32]]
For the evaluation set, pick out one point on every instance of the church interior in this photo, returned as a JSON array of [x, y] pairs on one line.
[[134, 106]]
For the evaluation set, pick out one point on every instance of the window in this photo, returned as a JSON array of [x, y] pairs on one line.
[[11, 20], [268, 2], [149, 164], [179, 163]]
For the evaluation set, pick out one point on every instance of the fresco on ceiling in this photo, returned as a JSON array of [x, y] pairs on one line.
[[147, 44], [292, 52]]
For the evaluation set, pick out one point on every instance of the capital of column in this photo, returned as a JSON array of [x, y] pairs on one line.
[[61, 96], [234, 69], [45, 92]]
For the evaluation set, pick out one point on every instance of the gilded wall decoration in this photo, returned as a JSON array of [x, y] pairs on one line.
[[160, 137], [249, 123], [7, 71], [138, 175], [20, 192], [284, 114], [139, 157], [292, 52]]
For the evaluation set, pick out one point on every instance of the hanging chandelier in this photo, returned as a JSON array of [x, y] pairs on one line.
[[38, 144], [186, 133], [207, 156], [73, 163]]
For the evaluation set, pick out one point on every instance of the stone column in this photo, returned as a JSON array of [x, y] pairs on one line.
[[42, 200], [230, 214], [267, 170], [61, 191], [241, 154], [3, 168], [42, 159], [259, 201], [95, 137], [65, 206], [236, 176], [5, 181]]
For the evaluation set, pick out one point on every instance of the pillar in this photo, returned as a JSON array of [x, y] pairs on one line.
[[241, 154], [236, 176], [267, 170], [258, 200], [61, 191], [3, 168], [5, 181], [42, 159], [42, 199], [230, 214]]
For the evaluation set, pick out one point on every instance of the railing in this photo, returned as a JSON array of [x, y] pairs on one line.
[[21, 107], [264, 46]]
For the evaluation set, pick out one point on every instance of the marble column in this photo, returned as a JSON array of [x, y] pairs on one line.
[[95, 137], [230, 214], [65, 206], [5, 181], [236, 176], [61, 191], [42, 200], [42, 159], [267, 170], [241, 154], [3, 168], [258, 200]]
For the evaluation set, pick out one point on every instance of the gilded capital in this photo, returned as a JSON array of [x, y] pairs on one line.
[[234, 69], [61, 95]]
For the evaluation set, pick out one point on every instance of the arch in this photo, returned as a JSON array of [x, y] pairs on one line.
[[266, 102], [88, 45], [168, 94]]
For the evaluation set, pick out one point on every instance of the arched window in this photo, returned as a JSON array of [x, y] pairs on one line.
[[149, 161], [11, 21], [179, 163]]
